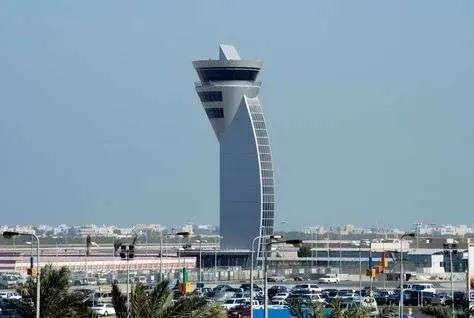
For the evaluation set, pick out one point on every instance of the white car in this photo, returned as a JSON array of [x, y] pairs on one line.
[[317, 298], [426, 288], [103, 309], [328, 279], [234, 302], [255, 304], [313, 288], [10, 295], [280, 297]]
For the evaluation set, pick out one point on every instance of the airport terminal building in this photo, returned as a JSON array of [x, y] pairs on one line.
[[228, 91]]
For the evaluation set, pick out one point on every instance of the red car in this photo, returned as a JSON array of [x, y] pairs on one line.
[[239, 312]]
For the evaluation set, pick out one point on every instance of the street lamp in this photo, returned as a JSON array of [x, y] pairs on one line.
[[183, 234], [265, 269], [408, 234], [449, 246], [359, 245], [127, 252], [251, 265], [218, 245], [12, 234], [161, 255], [30, 243], [200, 258]]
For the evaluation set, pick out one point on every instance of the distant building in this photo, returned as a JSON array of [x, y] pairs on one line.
[[228, 91]]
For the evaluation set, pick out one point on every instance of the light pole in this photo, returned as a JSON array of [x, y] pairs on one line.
[[400, 306], [327, 241], [183, 234], [161, 255], [340, 250], [200, 258], [265, 269], [12, 234], [31, 252], [316, 246], [127, 252], [218, 240], [448, 246], [359, 245], [251, 265]]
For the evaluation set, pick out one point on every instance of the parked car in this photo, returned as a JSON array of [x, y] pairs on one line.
[[276, 279], [221, 287], [246, 286], [311, 287], [202, 291], [412, 298], [103, 309], [141, 279], [329, 279], [10, 295], [9, 281], [298, 299], [329, 293], [239, 311], [280, 296], [424, 288], [460, 297], [234, 302], [370, 305], [441, 299], [223, 294], [348, 305], [272, 291], [84, 281], [382, 297]]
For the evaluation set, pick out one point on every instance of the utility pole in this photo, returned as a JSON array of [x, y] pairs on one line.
[[127, 252], [449, 245]]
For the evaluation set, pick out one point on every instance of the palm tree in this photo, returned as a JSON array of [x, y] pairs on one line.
[[56, 300], [159, 304], [119, 301], [336, 308], [438, 311], [339, 312], [389, 311], [300, 308]]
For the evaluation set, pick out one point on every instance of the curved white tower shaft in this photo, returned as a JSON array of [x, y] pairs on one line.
[[229, 94]]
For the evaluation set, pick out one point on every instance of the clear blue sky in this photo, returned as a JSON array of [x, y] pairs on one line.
[[370, 106]]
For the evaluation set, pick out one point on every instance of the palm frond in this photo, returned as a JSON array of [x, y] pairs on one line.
[[119, 301], [140, 302], [56, 300], [117, 244], [134, 239]]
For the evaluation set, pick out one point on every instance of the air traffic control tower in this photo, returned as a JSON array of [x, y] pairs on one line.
[[229, 94]]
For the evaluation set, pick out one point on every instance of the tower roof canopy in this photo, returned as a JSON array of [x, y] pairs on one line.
[[228, 52]]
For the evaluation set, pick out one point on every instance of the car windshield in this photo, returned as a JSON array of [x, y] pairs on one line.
[[229, 301]]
